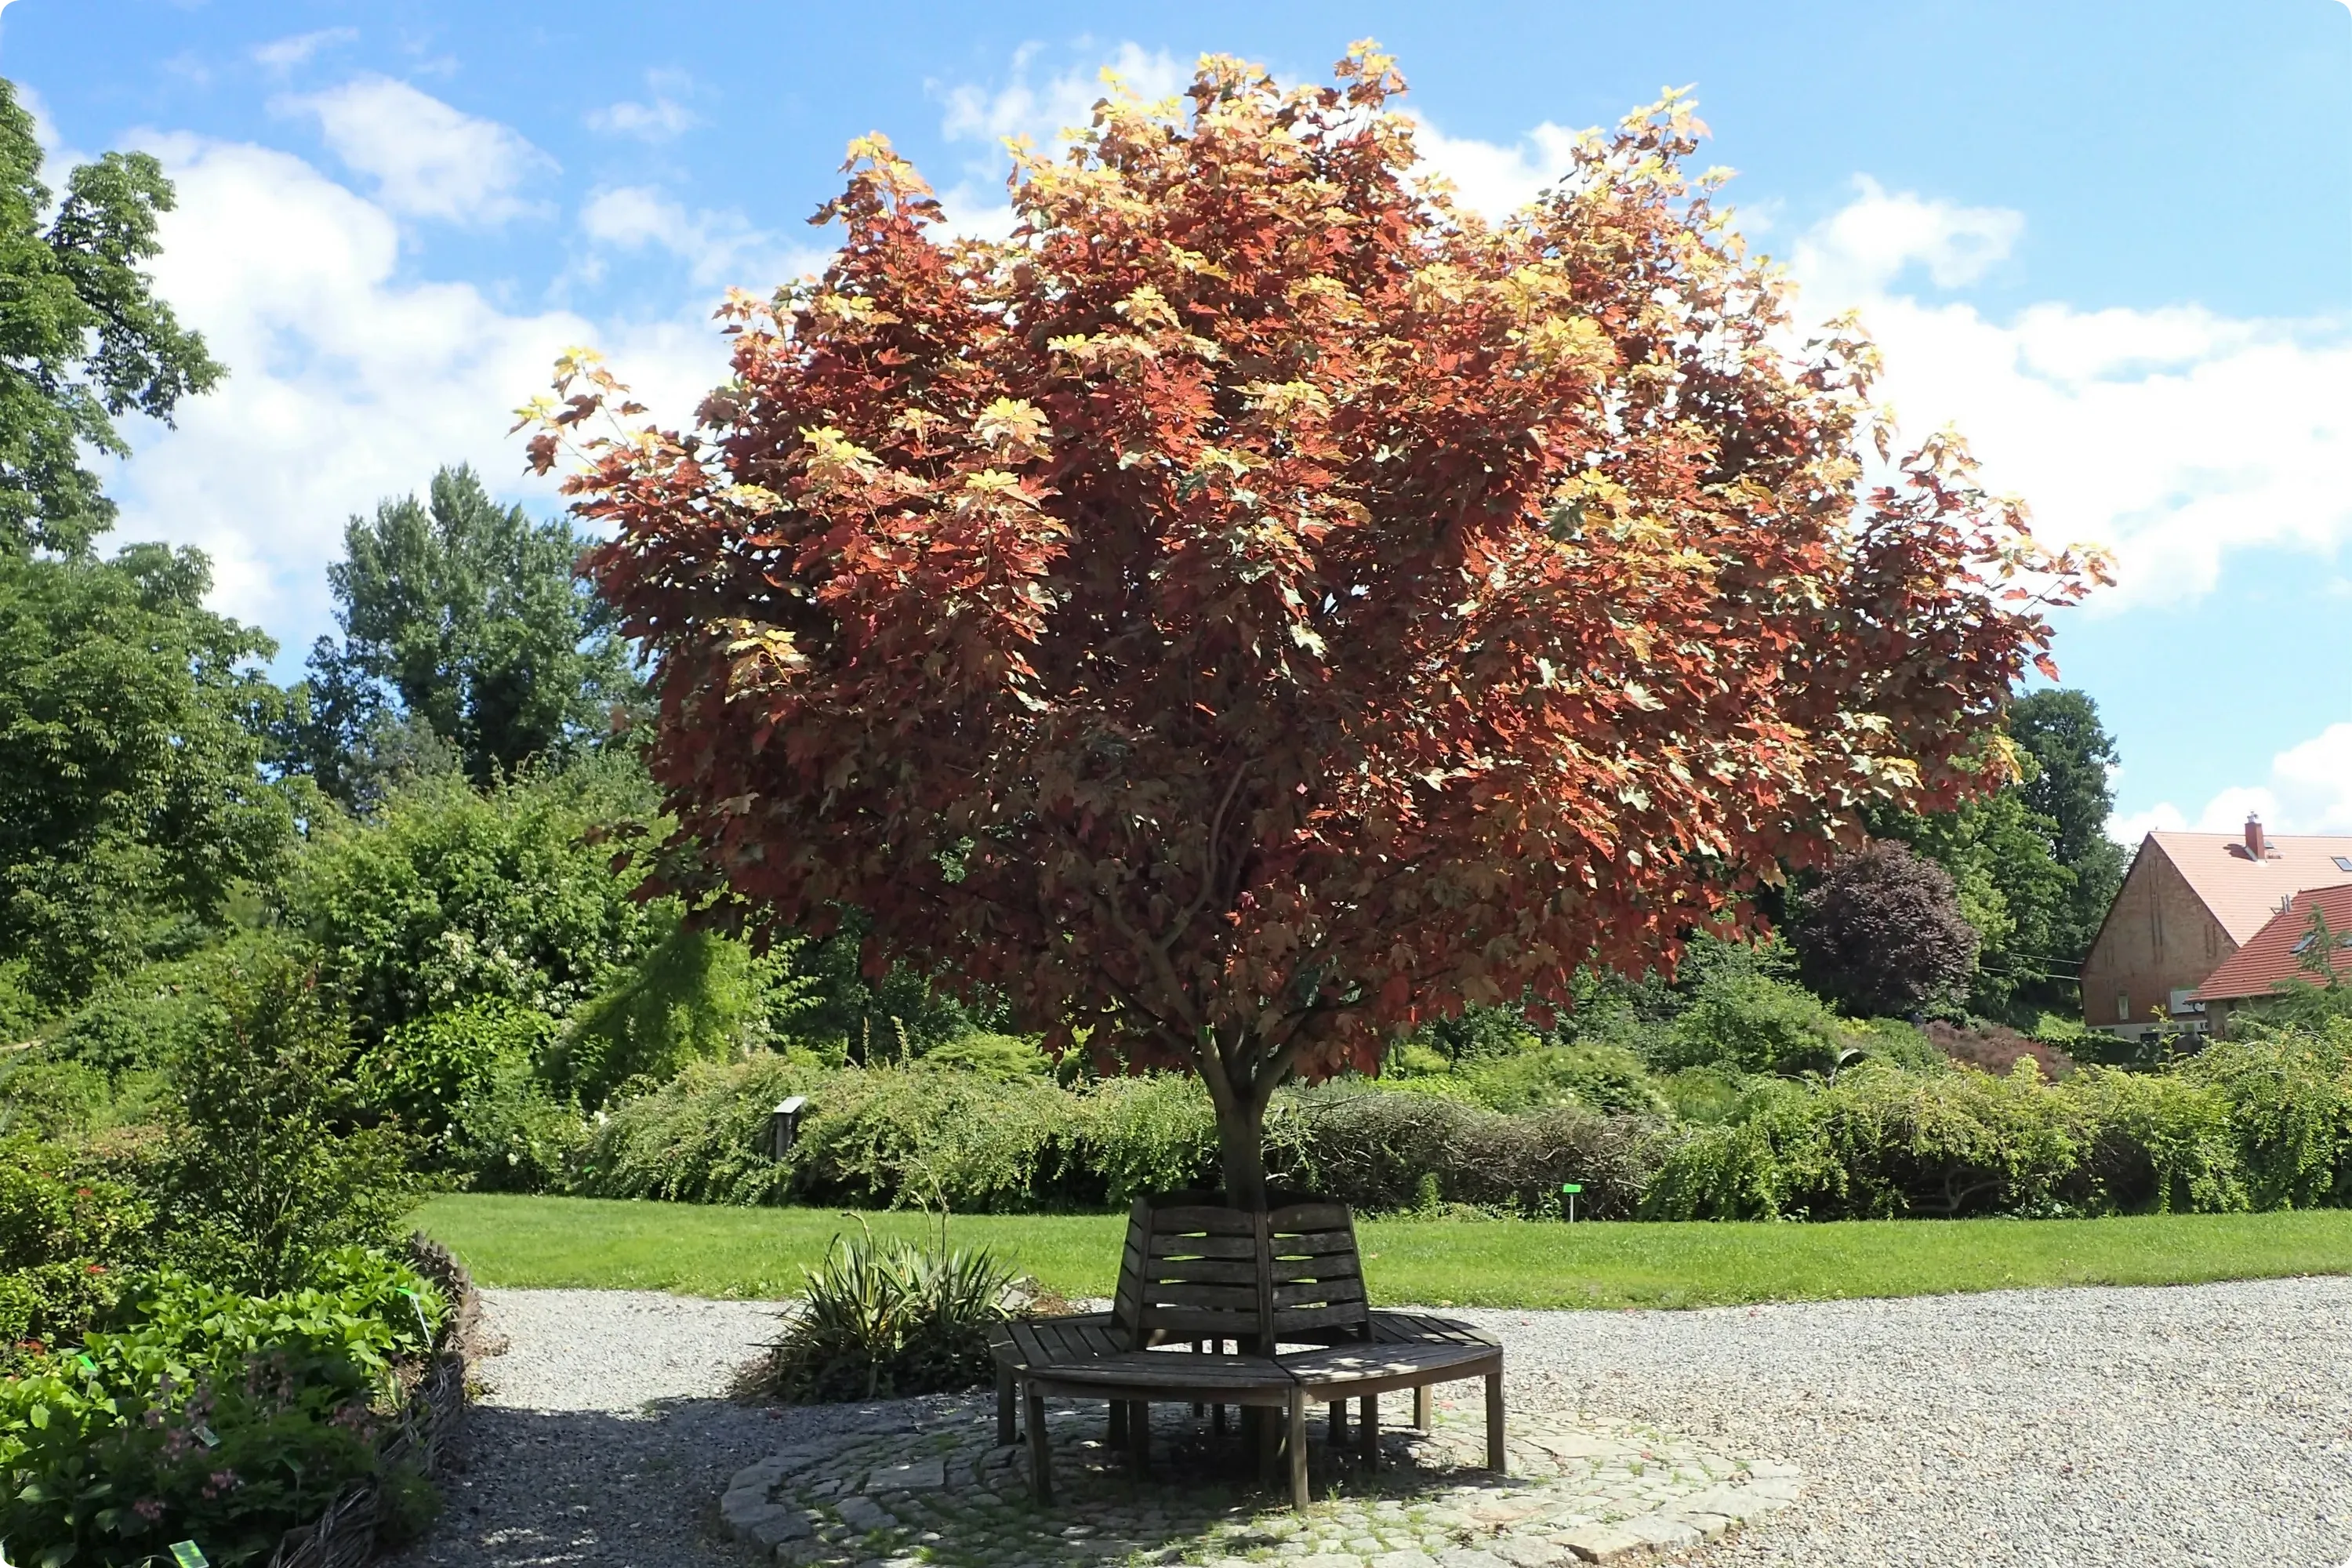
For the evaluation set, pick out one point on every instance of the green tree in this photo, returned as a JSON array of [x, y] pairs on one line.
[[2073, 753], [132, 794], [83, 340], [2012, 888], [464, 616]]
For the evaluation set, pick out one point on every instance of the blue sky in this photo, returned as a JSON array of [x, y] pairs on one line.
[[2112, 242]]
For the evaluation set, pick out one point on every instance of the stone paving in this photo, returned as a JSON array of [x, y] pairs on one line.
[[939, 1490]]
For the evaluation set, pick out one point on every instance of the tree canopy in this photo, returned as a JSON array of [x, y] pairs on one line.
[[462, 617], [1261, 604], [131, 798], [83, 340]]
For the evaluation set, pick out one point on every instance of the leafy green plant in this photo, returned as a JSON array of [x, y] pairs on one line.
[[218, 1415], [450, 895], [264, 1172], [693, 996], [1750, 1022], [67, 1236], [884, 1320]]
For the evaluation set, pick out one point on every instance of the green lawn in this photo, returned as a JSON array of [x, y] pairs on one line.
[[735, 1252]]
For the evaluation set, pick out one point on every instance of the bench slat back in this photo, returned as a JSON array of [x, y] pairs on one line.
[[1314, 1275], [1194, 1270]]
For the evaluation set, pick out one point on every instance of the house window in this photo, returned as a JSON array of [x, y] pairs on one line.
[[2343, 862], [2123, 1006]]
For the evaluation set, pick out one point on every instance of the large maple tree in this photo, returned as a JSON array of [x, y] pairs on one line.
[[1260, 603]]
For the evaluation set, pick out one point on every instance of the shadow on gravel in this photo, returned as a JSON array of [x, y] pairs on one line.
[[597, 1488], [591, 1487]]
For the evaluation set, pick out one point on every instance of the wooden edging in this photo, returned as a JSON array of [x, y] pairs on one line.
[[344, 1536]]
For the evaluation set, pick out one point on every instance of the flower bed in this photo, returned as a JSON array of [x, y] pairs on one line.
[[346, 1534]]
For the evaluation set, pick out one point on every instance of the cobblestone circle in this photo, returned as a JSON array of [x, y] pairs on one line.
[[940, 1491]]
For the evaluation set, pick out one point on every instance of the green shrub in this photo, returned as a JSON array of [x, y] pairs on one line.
[[1154, 1133], [264, 1173], [693, 996], [885, 1320], [142, 1019], [223, 1417], [1751, 1023], [1373, 1150], [67, 1236], [994, 1055], [466, 1083], [2290, 1097], [1708, 1096], [52, 1099], [450, 896], [1880, 1143], [1594, 1074], [2157, 1142]]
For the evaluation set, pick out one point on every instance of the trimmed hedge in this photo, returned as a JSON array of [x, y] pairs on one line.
[[2259, 1123]]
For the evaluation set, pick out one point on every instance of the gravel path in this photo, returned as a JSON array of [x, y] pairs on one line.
[[2205, 1425]]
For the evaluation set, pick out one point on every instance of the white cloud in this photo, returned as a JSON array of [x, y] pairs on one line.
[[1868, 244], [1496, 180], [2309, 791], [1040, 110], [719, 247], [2172, 436], [428, 159], [285, 54], [663, 119], [346, 383]]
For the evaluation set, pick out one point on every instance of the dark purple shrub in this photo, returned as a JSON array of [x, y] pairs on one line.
[[1884, 933]]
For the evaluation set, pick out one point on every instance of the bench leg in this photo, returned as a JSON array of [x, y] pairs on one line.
[[1199, 1347], [1006, 1435], [1368, 1434], [1041, 1453], [1258, 1425], [1425, 1407], [1296, 1412], [1217, 1419], [1117, 1437], [1138, 1436], [1338, 1428], [1494, 1458]]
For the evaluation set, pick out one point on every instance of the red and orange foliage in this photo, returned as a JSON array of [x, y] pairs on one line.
[[1262, 603]]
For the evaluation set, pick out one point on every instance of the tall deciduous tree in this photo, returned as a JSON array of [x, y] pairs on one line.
[[1261, 604], [2073, 755], [463, 616], [83, 340], [131, 800]]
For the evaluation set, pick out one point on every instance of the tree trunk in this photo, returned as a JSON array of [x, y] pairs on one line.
[[1241, 1147]]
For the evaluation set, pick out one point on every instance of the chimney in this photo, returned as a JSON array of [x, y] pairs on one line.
[[2254, 845]]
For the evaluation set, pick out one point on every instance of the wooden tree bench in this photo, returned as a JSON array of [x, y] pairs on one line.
[[1208, 1299]]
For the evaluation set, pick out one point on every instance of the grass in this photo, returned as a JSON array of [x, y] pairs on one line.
[[755, 1253]]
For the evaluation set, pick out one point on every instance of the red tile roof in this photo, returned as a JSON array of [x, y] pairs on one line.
[[2244, 892], [2270, 956]]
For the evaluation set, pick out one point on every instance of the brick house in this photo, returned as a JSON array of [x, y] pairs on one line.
[[2190, 902], [2281, 954]]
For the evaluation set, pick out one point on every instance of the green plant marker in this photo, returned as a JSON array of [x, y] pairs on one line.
[[207, 1437], [188, 1554], [1571, 1189]]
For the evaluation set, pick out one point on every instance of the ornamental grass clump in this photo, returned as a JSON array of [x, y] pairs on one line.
[[885, 1320]]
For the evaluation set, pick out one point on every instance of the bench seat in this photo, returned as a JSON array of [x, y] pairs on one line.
[[1202, 1277]]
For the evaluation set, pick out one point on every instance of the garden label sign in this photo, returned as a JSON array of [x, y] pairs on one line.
[[1571, 1189]]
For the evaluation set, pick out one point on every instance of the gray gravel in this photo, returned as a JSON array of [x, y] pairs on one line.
[[2203, 1424], [601, 1434], [2144, 1428]]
